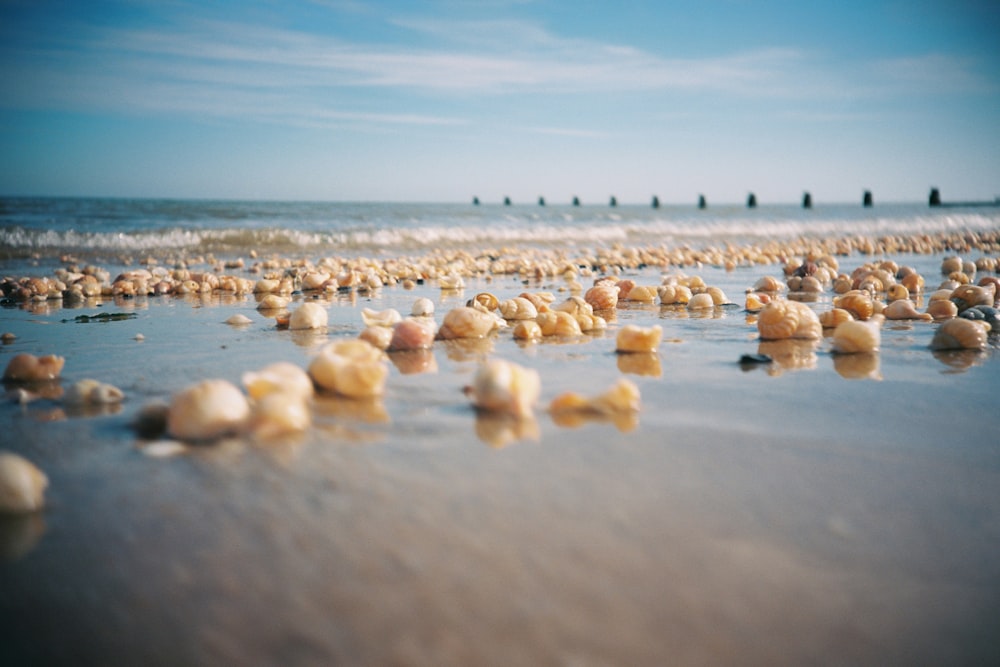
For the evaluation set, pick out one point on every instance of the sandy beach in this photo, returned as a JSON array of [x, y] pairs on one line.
[[820, 509]]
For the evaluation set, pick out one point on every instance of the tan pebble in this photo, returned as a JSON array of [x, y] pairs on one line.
[[239, 319], [139, 337], [22, 485], [353, 368], [8, 337], [26, 367], [309, 315], [505, 387], [633, 338], [92, 392], [207, 411], [281, 377]]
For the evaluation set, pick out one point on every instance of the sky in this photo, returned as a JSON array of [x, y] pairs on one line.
[[440, 101]]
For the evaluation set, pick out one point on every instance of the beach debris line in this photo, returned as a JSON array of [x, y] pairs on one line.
[[102, 317]]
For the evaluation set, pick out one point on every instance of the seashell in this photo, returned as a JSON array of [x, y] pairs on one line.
[[782, 319], [754, 302], [484, 301], [92, 392], [466, 322], [239, 319], [422, 307], [855, 336], [633, 338], [451, 282], [992, 285], [718, 296], [794, 284], [904, 309], [559, 323], [380, 318], [897, 292], [950, 265], [279, 414], [22, 485], [527, 330], [602, 296], [505, 387], [674, 294], [590, 322], [858, 302], [701, 301], [353, 368], [768, 284], [309, 315], [541, 300], [913, 282], [834, 317], [380, 337], [942, 309], [575, 306], [842, 285], [625, 287], [518, 308], [206, 411], [273, 302], [967, 296], [314, 280], [412, 334], [986, 264], [281, 377], [26, 367], [642, 294], [623, 396], [267, 286], [961, 334]]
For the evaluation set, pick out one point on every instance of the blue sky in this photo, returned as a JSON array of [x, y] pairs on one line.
[[440, 101]]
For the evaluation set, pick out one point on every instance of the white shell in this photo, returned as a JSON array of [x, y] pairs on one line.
[[505, 387], [207, 410], [22, 485], [92, 392], [309, 315], [281, 377]]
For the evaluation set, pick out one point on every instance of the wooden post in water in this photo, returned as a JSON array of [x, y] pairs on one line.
[[576, 201], [752, 200], [866, 199], [613, 202], [935, 198], [701, 201], [506, 201], [807, 200], [475, 201], [656, 202], [541, 201]]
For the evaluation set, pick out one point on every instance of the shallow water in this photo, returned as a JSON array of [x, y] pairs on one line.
[[819, 510]]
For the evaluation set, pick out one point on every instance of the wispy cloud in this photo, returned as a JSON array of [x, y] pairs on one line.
[[225, 68]]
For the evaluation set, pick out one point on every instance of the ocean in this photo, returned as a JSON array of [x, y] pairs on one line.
[[114, 229]]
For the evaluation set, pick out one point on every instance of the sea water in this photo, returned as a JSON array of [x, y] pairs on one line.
[[111, 230]]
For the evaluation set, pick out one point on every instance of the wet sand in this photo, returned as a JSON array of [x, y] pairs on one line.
[[819, 510]]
